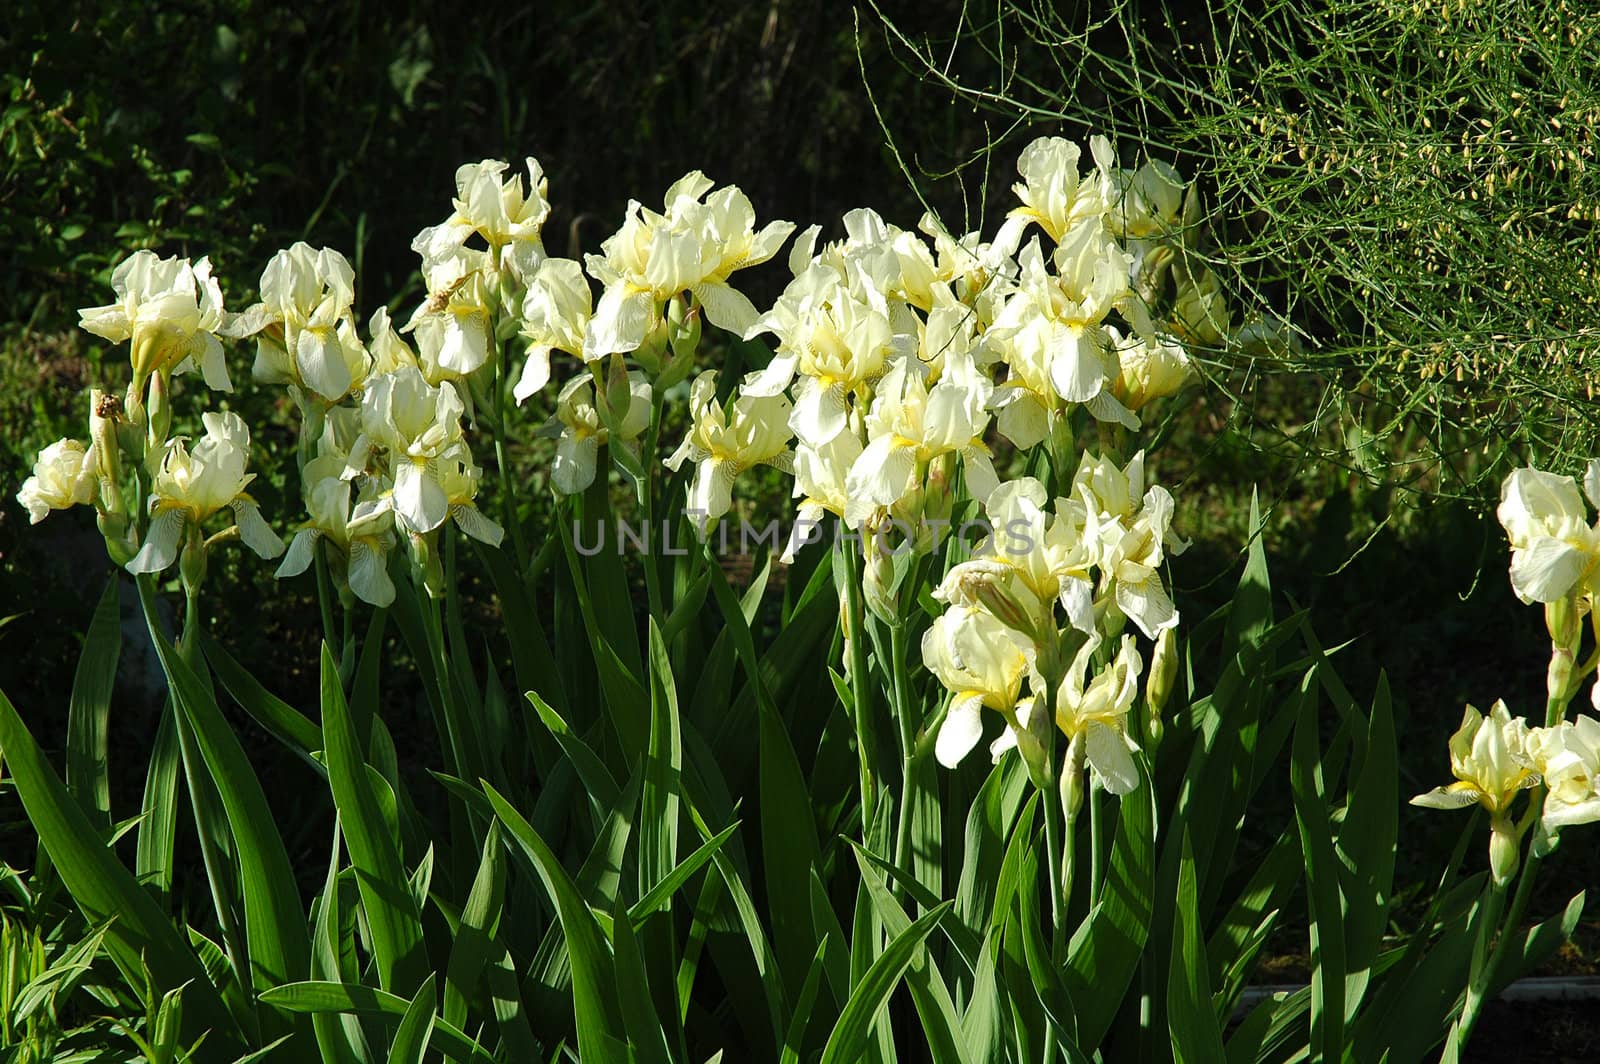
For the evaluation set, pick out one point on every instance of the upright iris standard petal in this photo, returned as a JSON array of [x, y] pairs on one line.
[[170, 310]]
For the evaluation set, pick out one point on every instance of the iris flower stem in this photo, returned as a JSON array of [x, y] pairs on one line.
[[1097, 845], [1484, 963], [908, 743], [1481, 982], [1058, 827], [647, 489], [860, 686], [433, 631], [508, 505], [1058, 831], [325, 597]]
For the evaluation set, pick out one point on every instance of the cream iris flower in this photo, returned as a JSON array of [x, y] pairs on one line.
[[1553, 546], [693, 246], [1567, 758], [1129, 528], [507, 216], [555, 317], [1490, 760], [453, 326], [981, 662], [1053, 193], [911, 424], [753, 431], [420, 426], [1201, 310], [191, 485], [580, 430], [1148, 369], [1093, 715], [1051, 334], [837, 336], [65, 474], [820, 483], [1034, 558], [363, 543], [171, 311], [1147, 202], [460, 477], [303, 328]]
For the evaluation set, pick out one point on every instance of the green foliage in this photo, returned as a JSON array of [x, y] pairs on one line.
[[1412, 188], [530, 954]]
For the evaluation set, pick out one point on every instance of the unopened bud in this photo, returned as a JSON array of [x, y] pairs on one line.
[[1163, 673], [1563, 621], [1504, 849], [1072, 777], [1032, 729], [105, 411], [160, 414], [937, 502], [618, 396], [683, 329], [426, 567], [995, 597], [192, 562], [145, 353], [878, 584], [130, 430], [314, 412], [114, 527], [652, 354]]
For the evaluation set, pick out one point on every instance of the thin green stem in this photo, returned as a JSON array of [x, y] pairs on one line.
[[325, 597], [433, 628], [1097, 845], [1058, 832], [1482, 971], [908, 740], [1513, 915], [508, 506], [860, 685], [902, 691], [647, 488], [189, 640], [1058, 825]]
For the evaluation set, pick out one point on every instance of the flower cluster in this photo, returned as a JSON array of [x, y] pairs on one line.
[[1095, 557], [900, 350], [1554, 551], [1496, 757], [897, 352], [171, 313]]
